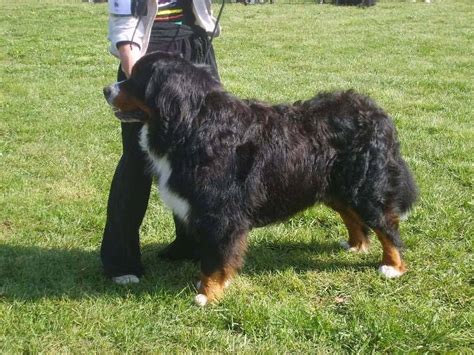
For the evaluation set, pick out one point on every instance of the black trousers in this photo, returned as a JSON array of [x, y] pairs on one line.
[[131, 184]]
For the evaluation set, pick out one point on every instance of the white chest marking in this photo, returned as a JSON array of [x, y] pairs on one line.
[[161, 168]]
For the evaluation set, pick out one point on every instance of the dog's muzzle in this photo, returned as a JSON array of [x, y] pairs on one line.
[[111, 92]]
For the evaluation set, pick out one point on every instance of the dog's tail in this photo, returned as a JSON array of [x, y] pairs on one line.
[[401, 191], [406, 193], [366, 141]]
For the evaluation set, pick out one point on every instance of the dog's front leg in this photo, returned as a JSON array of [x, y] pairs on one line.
[[221, 259], [185, 245]]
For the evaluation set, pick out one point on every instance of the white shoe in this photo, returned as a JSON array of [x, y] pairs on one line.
[[126, 279]]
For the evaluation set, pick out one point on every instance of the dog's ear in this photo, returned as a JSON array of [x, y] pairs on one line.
[[181, 97], [178, 92]]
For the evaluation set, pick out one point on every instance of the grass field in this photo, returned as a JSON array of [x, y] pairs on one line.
[[299, 292]]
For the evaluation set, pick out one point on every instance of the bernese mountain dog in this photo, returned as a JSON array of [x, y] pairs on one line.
[[226, 165]]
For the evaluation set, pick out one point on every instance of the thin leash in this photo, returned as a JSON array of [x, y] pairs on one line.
[[138, 10], [135, 31], [214, 31]]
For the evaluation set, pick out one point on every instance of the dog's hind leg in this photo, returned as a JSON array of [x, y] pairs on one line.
[[385, 225], [389, 236], [357, 230], [221, 259]]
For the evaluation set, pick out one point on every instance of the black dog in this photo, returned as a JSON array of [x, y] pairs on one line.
[[225, 166]]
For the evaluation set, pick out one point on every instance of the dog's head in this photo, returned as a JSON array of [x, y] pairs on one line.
[[162, 86]]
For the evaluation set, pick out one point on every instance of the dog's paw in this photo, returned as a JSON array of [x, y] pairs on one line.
[[200, 300], [126, 279], [363, 248], [390, 272]]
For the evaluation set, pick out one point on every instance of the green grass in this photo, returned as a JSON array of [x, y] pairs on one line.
[[59, 144]]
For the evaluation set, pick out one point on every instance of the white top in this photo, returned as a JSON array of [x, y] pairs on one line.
[[127, 28]]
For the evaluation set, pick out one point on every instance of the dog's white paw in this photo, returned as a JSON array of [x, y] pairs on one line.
[[201, 300], [389, 271], [126, 279], [346, 246]]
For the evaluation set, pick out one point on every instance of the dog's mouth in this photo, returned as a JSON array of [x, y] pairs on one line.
[[123, 107], [130, 116]]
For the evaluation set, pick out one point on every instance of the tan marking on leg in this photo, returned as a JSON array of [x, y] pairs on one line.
[[391, 254], [213, 286], [358, 240]]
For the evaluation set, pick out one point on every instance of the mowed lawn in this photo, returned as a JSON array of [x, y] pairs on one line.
[[298, 292]]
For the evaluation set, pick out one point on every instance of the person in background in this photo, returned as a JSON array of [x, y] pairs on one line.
[[137, 27]]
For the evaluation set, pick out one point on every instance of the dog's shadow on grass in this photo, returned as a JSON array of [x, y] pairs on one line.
[[31, 273]]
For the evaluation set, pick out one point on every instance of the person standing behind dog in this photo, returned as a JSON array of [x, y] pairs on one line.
[[137, 27]]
